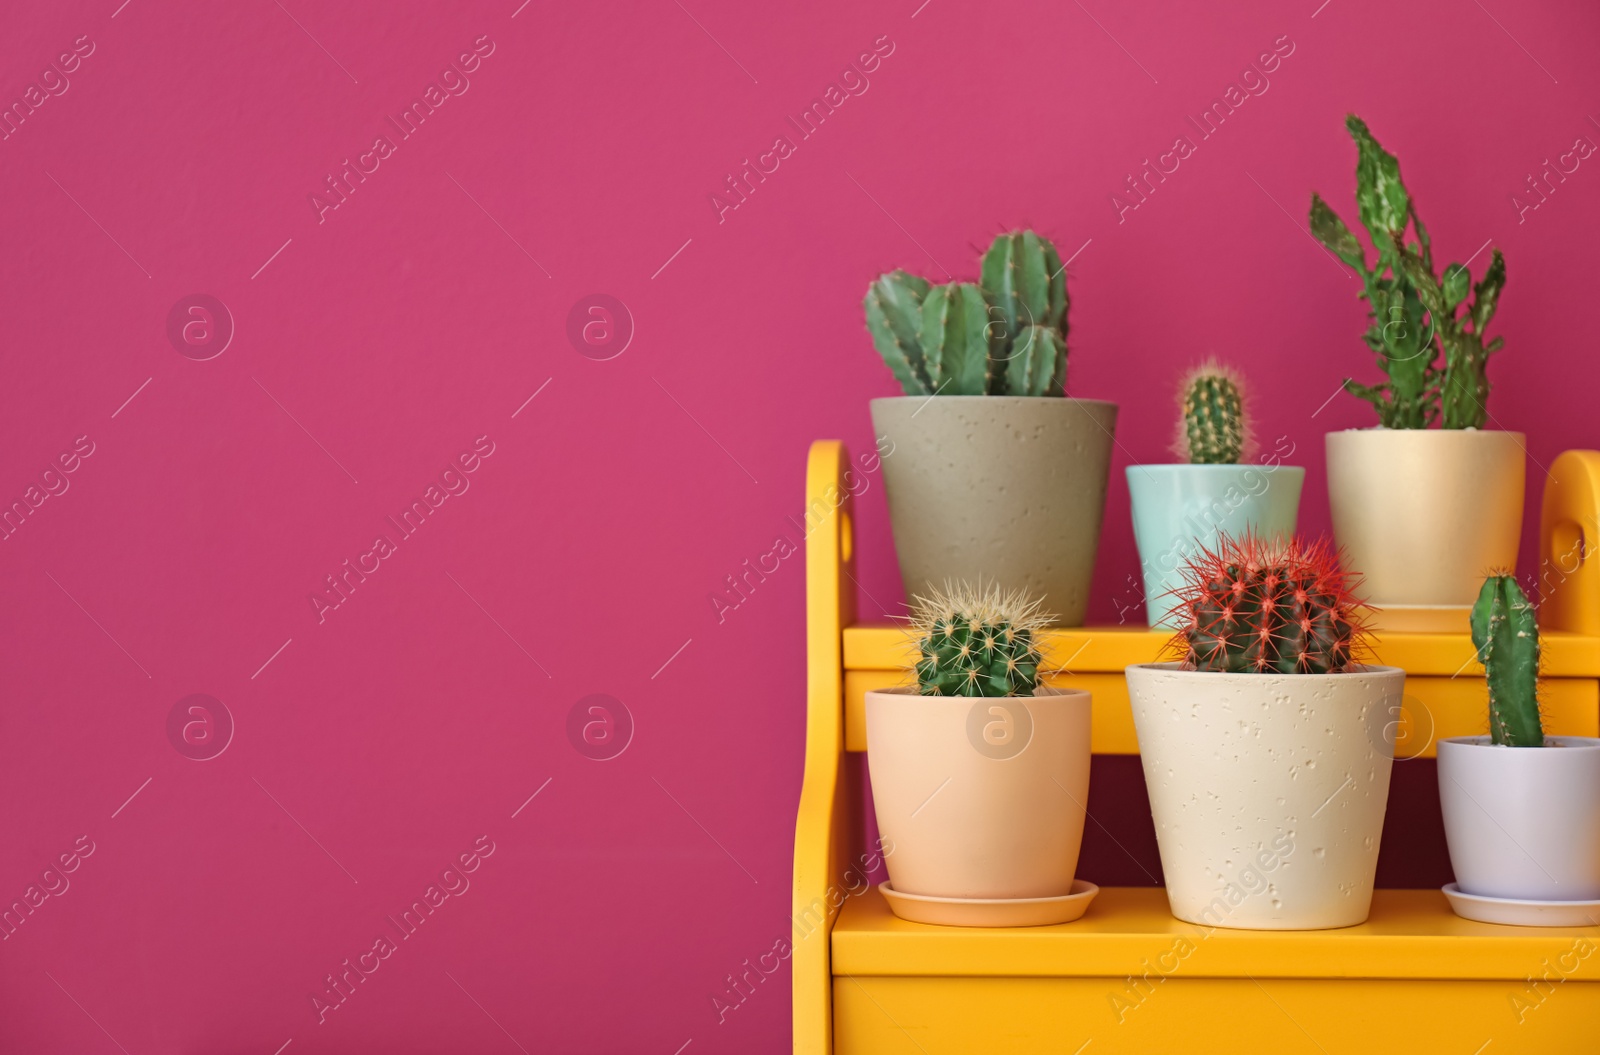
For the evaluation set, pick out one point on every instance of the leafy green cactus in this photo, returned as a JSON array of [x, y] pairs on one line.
[[1214, 426], [1413, 314], [1506, 633], [928, 335], [977, 642]]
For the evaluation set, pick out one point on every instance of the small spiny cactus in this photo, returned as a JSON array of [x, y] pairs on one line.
[[977, 642], [1214, 426], [1506, 634], [1255, 607]]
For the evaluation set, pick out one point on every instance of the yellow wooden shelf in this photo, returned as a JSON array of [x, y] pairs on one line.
[[1108, 649], [1413, 978], [1128, 930], [1445, 692]]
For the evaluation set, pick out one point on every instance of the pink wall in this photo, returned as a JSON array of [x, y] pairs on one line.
[[377, 341]]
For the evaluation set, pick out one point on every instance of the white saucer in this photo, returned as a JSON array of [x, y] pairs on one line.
[[1522, 913], [991, 912]]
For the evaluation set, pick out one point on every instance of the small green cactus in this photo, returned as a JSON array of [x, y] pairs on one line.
[[1214, 425], [977, 641], [1506, 633], [1413, 313], [929, 335]]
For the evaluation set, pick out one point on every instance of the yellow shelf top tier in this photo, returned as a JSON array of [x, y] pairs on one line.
[[1129, 931], [1108, 649]]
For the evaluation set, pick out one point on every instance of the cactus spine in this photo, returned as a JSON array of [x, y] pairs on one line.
[[1254, 607], [977, 642], [928, 334], [1506, 634], [1413, 313], [1214, 425]]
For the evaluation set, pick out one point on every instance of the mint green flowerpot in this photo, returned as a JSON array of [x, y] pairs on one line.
[[1180, 509]]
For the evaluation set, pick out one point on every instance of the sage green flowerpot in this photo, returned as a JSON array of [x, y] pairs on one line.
[[1003, 489]]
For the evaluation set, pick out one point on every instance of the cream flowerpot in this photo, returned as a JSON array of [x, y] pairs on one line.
[[1424, 514], [980, 797], [1268, 790]]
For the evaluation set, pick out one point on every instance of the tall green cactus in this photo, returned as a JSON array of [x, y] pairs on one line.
[[1214, 425], [1506, 633], [928, 335], [1413, 314]]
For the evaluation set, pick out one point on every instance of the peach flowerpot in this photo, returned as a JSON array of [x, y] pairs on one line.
[[1424, 514], [1268, 790], [981, 797]]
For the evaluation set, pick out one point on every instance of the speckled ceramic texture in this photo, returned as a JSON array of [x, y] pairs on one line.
[[1268, 790], [1009, 489]]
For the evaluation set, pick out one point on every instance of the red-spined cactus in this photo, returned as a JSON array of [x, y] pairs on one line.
[[1268, 607]]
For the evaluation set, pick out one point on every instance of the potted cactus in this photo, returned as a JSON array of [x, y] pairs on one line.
[[1420, 512], [980, 772], [995, 473], [1267, 747], [1521, 809], [1178, 509]]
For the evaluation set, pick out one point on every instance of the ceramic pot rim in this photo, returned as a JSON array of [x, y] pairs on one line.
[[1176, 667], [1212, 467], [1063, 400], [1374, 430], [1048, 693], [1479, 743]]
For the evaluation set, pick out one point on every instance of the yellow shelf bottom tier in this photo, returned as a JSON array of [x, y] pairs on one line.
[[1411, 934], [1128, 977]]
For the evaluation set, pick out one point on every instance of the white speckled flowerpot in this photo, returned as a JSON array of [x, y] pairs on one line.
[[1006, 489], [1268, 790]]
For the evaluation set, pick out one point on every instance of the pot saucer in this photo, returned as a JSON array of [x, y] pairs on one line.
[[1518, 913], [991, 912]]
